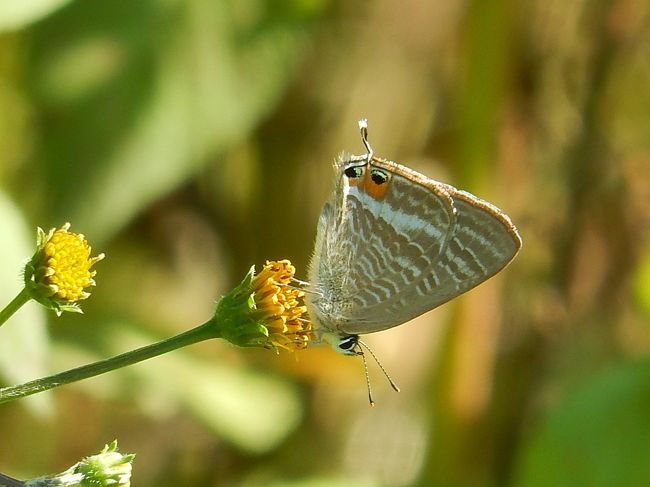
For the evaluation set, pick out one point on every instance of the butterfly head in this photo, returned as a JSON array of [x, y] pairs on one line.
[[343, 344], [352, 345]]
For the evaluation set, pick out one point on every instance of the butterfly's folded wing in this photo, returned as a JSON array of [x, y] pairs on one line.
[[416, 274]]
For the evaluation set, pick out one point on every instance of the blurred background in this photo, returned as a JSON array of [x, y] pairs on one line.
[[190, 139]]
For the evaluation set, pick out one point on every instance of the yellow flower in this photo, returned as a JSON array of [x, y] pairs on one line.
[[59, 274], [280, 306], [265, 310]]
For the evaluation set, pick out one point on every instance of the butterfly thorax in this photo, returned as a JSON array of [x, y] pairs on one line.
[[327, 314], [328, 308]]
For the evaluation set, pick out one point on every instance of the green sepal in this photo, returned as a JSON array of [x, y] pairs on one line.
[[43, 294], [109, 468], [234, 317]]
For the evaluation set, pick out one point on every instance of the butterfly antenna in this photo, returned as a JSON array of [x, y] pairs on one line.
[[390, 380], [365, 369], [363, 127]]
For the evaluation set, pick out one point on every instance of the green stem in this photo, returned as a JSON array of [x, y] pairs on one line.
[[15, 305], [195, 335]]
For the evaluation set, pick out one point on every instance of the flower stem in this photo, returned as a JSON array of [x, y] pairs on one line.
[[195, 335], [15, 305]]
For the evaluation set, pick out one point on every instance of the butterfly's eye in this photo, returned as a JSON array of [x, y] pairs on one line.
[[347, 345], [354, 172], [378, 176]]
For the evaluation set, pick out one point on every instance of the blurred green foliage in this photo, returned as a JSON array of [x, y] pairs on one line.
[[189, 139]]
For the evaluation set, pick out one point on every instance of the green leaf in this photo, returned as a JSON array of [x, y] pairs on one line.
[[16, 14], [143, 93], [598, 436]]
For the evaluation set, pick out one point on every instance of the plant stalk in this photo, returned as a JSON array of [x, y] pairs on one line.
[[14, 305], [195, 335]]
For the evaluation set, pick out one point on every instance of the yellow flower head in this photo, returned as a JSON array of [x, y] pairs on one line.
[[265, 310], [280, 306], [59, 274]]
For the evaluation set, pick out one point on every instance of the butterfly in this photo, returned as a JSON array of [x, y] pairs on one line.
[[392, 244]]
